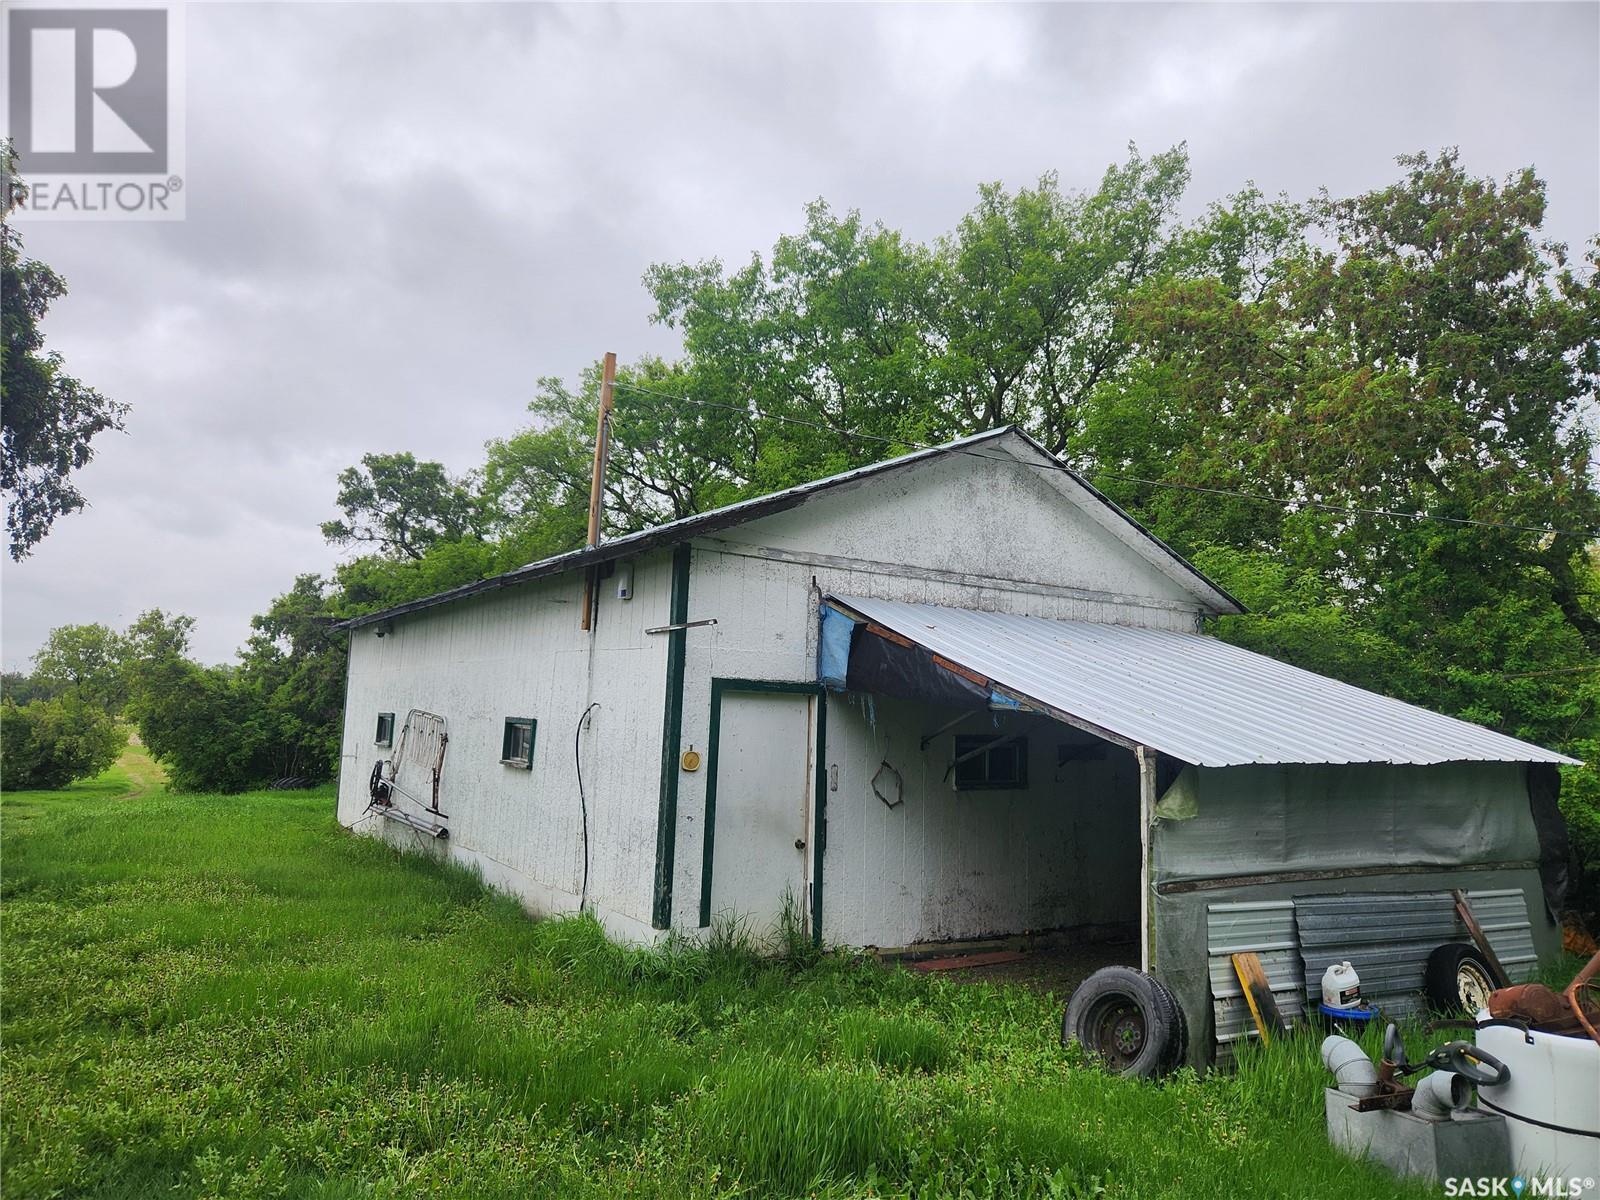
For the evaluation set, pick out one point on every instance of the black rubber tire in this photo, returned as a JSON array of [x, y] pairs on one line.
[[1444, 979], [1180, 1044], [1119, 1005]]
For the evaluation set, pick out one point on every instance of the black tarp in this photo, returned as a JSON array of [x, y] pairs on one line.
[[1555, 848], [880, 665]]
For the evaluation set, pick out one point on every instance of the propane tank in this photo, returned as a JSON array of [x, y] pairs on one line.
[[1341, 986]]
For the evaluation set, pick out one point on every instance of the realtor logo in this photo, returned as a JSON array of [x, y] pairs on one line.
[[92, 112], [89, 89]]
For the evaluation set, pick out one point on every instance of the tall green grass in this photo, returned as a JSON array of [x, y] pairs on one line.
[[232, 997]]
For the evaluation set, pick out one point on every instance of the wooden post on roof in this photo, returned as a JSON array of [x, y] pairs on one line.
[[1147, 806], [597, 478]]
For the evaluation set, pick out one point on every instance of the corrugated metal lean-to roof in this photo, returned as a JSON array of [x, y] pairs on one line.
[[1188, 695]]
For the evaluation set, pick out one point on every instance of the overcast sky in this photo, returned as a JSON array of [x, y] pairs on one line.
[[401, 216]]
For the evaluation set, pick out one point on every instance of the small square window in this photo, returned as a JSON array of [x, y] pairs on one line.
[[516, 746], [993, 764], [385, 734]]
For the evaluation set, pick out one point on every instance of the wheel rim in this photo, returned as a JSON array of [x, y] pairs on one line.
[[1473, 986], [1117, 1032]]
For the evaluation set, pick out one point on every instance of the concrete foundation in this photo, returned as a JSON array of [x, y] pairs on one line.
[[1473, 1144]]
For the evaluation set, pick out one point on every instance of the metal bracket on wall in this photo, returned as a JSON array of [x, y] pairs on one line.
[[948, 726], [682, 625]]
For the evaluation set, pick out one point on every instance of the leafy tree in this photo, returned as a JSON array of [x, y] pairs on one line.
[[1433, 356], [88, 661], [194, 719], [47, 744], [373, 581], [401, 506], [1416, 349], [49, 419], [294, 668], [22, 687], [198, 722], [275, 715], [852, 338]]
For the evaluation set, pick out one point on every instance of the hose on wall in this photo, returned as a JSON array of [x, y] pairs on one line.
[[583, 803]]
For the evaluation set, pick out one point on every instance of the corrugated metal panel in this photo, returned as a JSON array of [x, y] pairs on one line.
[[1266, 927], [1389, 937], [1503, 915], [1190, 696]]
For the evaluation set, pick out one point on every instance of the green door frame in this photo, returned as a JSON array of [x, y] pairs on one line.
[[819, 803], [671, 734]]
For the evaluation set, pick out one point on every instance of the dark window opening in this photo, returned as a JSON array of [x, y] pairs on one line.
[[992, 763], [385, 734], [516, 746]]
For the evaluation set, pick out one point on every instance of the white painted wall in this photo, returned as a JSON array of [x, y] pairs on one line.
[[1022, 546], [519, 652], [943, 867], [946, 865]]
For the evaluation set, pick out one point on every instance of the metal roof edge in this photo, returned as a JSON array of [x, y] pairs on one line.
[[672, 532], [1536, 753]]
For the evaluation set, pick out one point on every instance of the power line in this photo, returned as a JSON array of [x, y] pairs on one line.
[[1556, 671], [1257, 497]]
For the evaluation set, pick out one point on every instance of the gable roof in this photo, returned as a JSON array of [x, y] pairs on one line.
[[1013, 444]]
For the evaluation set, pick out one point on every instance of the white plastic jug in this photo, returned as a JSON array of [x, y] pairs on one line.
[[1341, 986]]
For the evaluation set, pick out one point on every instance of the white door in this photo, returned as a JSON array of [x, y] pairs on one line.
[[763, 817]]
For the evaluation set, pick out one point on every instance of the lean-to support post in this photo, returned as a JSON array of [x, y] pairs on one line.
[[597, 477], [1147, 807]]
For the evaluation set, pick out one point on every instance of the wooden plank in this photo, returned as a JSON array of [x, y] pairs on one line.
[[991, 959], [1146, 758], [956, 668], [870, 566], [597, 480], [1181, 887], [890, 635], [1258, 995], [1464, 911]]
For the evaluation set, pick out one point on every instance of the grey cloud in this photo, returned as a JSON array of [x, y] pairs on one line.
[[401, 216]]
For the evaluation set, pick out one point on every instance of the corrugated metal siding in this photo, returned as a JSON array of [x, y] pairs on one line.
[[1505, 921], [1191, 696], [1388, 937], [1266, 927]]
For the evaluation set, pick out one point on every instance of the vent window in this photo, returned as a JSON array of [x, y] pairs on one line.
[[516, 746], [983, 761]]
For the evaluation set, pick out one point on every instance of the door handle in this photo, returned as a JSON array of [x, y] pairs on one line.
[[799, 843]]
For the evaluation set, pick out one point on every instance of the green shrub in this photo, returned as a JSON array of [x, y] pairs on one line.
[[47, 744], [1580, 804]]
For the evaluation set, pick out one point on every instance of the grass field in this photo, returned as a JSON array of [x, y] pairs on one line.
[[230, 997]]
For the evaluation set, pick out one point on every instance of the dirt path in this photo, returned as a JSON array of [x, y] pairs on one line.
[[143, 772]]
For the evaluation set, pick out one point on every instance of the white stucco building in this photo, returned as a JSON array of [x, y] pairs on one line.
[[957, 695]]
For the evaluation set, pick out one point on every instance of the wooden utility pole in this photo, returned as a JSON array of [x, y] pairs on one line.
[[597, 479]]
